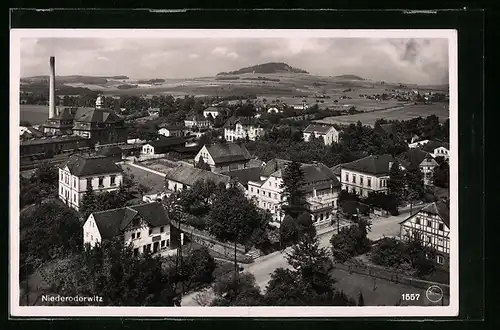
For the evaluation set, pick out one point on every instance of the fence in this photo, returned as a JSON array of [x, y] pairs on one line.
[[397, 277]]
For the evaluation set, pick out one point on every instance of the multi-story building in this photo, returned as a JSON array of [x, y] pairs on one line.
[[146, 227], [213, 111], [224, 156], [184, 177], [365, 175], [437, 149], [326, 132], [79, 173], [321, 189], [432, 226], [416, 158], [240, 128], [198, 121]]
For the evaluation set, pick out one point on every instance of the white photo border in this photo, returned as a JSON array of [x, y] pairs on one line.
[[268, 312]]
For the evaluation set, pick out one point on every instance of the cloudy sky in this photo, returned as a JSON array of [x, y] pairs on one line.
[[421, 61]]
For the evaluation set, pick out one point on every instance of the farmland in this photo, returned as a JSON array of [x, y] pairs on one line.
[[401, 113]]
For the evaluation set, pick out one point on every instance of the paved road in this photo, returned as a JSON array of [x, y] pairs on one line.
[[263, 267]]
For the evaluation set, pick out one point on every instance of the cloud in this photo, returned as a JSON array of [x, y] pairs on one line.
[[422, 61]]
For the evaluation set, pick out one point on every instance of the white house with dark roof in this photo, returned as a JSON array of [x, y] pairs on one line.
[[236, 128], [432, 226], [365, 175], [224, 156], [171, 130], [162, 146], [328, 133], [79, 173], [214, 111], [437, 149], [145, 226], [198, 121], [321, 188]]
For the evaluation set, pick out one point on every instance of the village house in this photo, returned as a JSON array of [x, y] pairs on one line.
[[162, 146], [437, 149], [326, 132], [224, 156], [80, 172], [417, 144], [240, 128], [29, 133], [365, 175], [416, 158], [184, 177], [321, 188], [432, 226], [145, 226], [198, 121], [171, 130], [154, 112], [213, 111]]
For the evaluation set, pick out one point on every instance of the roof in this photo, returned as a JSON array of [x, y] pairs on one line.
[[82, 166], [244, 175], [111, 151], [52, 139], [189, 175], [413, 157], [168, 141], [336, 169], [439, 208], [312, 172], [113, 222], [432, 145], [316, 128], [376, 165], [214, 109], [195, 117], [89, 115], [228, 152], [172, 127]]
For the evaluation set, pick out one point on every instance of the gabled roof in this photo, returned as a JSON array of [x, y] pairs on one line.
[[244, 175], [214, 109], [376, 165], [112, 223], [168, 142], [316, 128], [432, 145], [312, 172], [413, 158], [228, 152], [231, 121], [82, 166], [94, 115], [172, 126], [439, 208], [195, 117], [337, 169], [189, 175]]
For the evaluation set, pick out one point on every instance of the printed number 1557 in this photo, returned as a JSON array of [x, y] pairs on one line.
[[410, 296]]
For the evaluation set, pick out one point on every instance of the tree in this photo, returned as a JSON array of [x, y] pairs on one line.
[[235, 289], [202, 165], [396, 182], [361, 299], [305, 225], [389, 252], [288, 231], [293, 181], [441, 176], [88, 203], [351, 241], [414, 185]]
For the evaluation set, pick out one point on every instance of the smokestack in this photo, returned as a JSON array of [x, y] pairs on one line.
[[52, 88]]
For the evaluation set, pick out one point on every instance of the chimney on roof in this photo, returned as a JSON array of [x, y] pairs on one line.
[[52, 88]]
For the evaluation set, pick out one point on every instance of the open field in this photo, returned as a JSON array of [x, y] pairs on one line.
[[35, 114], [404, 113]]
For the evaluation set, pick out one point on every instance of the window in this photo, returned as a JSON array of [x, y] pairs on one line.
[[251, 189], [150, 231], [369, 182], [429, 239], [133, 235], [101, 181], [144, 248], [354, 178], [113, 180], [89, 182], [61, 176], [138, 234], [347, 177], [440, 259], [429, 223], [162, 229], [136, 252], [269, 195], [87, 234], [91, 237], [74, 182], [258, 191], [62, 190], [361, 180], [74, 197], [168, 242], [162, 244], [441, 227], [275, 196]]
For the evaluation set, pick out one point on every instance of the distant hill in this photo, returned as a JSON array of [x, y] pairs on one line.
[[91, 80], [272, 67], [350, 77]]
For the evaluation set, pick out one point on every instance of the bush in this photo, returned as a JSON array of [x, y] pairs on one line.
[[429, 198], [394, 212]]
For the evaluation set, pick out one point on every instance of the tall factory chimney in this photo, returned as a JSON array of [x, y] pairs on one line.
[[52, 88]]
